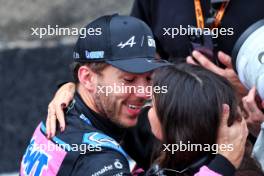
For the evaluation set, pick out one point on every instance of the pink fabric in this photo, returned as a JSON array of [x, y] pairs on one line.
[[136, 171], [53, 156], [205, 171]]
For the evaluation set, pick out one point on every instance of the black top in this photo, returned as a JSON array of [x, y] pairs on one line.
[[159, 14]]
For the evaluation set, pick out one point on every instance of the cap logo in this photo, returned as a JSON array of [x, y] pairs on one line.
[[94, 54], [76, 55], [130, 42], [151, 42]]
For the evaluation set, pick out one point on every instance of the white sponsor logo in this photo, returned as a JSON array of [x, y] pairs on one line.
[[151, 42], [103, 170], [130, 42], [76, 55], [102, 140], [118, 165]]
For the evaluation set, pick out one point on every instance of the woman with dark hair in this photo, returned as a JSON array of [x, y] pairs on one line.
[[189, 114]]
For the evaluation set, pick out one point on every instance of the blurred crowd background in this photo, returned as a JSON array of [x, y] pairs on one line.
[[31, 68]]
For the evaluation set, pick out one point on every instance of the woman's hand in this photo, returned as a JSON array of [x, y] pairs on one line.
[[60, 101], [235, 136]]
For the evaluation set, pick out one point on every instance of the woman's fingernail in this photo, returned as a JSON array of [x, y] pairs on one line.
[[226, 108], [63, 105], [195, 53]]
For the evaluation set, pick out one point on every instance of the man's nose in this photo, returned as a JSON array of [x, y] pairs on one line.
[[143, 91]]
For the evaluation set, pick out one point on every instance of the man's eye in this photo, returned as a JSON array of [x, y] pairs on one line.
[[128, 80], [149, 78]]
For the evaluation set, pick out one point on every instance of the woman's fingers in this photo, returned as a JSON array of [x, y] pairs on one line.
[[60, 116], [61, 100], [51, 121], [254, 113], [190, 60], [225, 59], [48, 126], [225, 115]]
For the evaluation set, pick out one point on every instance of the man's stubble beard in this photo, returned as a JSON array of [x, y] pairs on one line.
[[107, 107]]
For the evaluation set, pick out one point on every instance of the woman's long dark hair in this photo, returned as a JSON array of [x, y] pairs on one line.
[[190, 111]]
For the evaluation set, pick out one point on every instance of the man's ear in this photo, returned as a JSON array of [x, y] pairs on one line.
[[87, 78]]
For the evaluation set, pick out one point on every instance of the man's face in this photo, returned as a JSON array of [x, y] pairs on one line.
[[118, 96]]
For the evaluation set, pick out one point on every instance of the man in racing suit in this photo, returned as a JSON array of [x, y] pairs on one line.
[[119, 51]]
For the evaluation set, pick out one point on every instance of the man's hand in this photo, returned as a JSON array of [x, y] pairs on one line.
[[227, 72], [255, 115], [236, 135], [60, 101]]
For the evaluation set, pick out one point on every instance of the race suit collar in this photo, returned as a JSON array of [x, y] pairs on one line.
[[99, 122]]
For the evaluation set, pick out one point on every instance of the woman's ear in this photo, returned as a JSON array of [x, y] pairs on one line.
[[87, 78]]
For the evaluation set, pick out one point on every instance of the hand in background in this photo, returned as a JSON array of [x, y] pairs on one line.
[[227, 72]]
